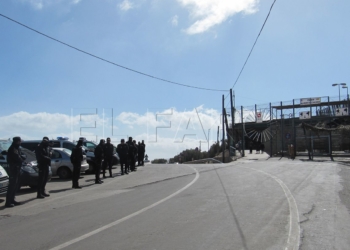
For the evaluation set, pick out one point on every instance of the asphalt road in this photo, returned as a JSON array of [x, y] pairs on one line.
[[252, 203]]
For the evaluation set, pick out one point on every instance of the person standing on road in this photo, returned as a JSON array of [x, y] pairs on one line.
[[143, 153], [131, 154], [136, 153], [108, 157], [251, 147], [258, 148], [262, 147], [76, 158], [15, 160], [43, 158], [98, 161], [122, 150]]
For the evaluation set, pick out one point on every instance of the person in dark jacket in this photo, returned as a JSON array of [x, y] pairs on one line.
[[136, 153], [250, 147], [98, 161], [131, 154], [76, 158], [140, 154], [143, 153], [108, 157], [15, 160], [122, 150], [43, 158]]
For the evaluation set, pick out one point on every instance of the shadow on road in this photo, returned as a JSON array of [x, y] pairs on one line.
[[233, 213]]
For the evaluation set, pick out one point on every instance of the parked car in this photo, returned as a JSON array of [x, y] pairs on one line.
[[61, 165], [29, 171], [61, 142], [29, 175], [4, 181], [30, 156]]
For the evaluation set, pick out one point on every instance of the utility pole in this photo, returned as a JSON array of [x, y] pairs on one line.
[[217, 135], [223, 129], [227, 131], [233, 119], [243, 142]]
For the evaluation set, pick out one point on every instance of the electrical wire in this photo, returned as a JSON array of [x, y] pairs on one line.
[[254, 44], [107, 61]]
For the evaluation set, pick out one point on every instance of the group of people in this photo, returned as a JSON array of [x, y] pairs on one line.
[[129, 152]]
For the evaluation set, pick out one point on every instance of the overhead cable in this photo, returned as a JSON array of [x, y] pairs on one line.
[[254, 43], [115, 64]]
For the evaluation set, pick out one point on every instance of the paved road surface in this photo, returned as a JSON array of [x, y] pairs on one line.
[[252, 203]]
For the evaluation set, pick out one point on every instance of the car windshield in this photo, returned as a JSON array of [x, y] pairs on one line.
[[67, 151], [5, 144]]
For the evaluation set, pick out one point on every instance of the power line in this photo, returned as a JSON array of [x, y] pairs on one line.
[[115, 64], [254, 43]]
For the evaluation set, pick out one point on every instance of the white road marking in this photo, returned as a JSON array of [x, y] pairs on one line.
[[294, 226], [112, 224]]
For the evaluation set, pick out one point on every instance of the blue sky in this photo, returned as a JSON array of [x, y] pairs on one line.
[[45, 86]]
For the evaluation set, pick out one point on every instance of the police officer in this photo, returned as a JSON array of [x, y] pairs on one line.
[[136, 153], [108, 157], [139, 154], [142, 150], [98, 161], [122, 150], [76, 158], [43, 158], [131, 154], [15, 160]]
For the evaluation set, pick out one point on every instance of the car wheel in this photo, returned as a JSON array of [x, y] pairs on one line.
[[64, 173]]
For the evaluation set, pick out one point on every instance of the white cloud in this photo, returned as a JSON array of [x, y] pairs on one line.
[[209, 13], [172, 118], [166, 132], [126, 5], [175, 20]]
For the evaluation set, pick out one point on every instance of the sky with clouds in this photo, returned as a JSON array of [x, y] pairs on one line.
[[48, 88]]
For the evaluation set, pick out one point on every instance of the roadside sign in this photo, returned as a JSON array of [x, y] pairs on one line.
[[259, 118], [341, 111], [304, 115], [310, 101]]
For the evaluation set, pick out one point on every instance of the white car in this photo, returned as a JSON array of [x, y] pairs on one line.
[[4, 181], [61, 165]]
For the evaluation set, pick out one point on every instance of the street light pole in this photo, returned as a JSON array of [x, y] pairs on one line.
[[339, 84]]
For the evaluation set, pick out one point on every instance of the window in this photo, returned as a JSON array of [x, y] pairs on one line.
[[90, 145], [69, 152], [56, 155], [55, 144], [68, 145]]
